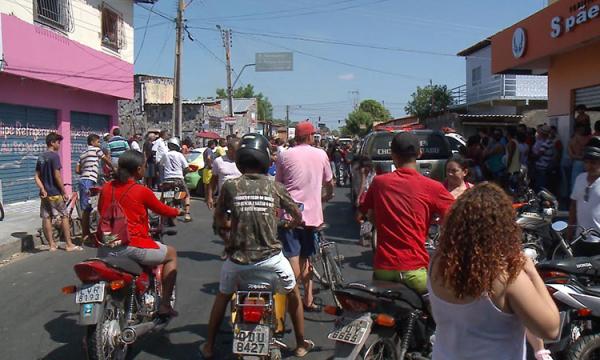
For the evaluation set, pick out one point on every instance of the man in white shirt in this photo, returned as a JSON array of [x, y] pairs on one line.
[[223, 168], [585, 200], [159, 148], [135, 142], [174, 166]]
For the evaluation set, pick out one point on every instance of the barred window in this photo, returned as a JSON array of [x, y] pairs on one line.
[[54, 13], [111, 29]]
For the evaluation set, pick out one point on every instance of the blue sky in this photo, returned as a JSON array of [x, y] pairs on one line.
[[319, 87]]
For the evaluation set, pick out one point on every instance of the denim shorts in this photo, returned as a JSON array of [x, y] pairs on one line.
[[84, 194], [148, 257], [277, 263], [298, 242]]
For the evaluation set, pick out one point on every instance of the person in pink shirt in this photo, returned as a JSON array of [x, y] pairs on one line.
[[304, 170]]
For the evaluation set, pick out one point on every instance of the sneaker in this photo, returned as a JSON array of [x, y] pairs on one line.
[[543, 355]]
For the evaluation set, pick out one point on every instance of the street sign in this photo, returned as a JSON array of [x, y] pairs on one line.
[[230, 120], [275, 61]]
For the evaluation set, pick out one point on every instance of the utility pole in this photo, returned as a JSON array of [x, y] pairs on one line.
[[287, 120], [226, 35], [177, 121]]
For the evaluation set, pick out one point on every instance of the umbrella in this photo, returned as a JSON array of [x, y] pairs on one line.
[[208, 135]]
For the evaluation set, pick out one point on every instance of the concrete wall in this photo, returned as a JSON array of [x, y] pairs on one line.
[[87, 25]]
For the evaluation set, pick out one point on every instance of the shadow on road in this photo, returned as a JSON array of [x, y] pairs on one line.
[[339, 214], [64, 329], [198, 256], [210, 288], [162, 345]]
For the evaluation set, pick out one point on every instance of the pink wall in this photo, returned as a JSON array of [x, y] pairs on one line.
[[36, 52], [22, 91]]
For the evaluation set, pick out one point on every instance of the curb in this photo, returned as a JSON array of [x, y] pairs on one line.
[[21, 243]]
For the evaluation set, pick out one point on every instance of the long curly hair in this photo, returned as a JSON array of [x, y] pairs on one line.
[[480, 242]]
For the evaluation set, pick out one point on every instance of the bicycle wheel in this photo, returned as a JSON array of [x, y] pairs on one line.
[[1, 212], [331, 277], [318, 271]]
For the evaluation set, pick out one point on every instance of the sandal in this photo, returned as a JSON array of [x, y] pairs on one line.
[[187, 218], [170, 312], [205, 357], [74, 248], [312, 308], [303, 351]]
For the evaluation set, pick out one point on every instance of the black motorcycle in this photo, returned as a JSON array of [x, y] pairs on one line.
[[381, 320]]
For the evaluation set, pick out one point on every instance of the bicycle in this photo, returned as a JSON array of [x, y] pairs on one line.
[[326, 264]]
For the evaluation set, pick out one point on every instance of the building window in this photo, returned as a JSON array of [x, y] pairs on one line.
[[54, 13], [476, 76], [111, 26]]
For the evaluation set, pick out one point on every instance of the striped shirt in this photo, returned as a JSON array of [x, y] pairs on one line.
[[88, 163], [545, 151], [117, 145]]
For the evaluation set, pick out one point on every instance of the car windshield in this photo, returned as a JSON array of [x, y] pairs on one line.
[[193, 156]]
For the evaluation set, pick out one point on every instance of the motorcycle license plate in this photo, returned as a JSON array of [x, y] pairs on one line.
[[169, 194], [251, 339], [352, 332], [90, 293]]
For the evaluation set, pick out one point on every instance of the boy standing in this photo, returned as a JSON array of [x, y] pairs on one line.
[[52, 192], [87, 167]]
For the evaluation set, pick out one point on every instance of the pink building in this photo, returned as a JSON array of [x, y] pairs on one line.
[[64, 64]]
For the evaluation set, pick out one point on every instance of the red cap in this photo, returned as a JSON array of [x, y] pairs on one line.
[[305, 128]]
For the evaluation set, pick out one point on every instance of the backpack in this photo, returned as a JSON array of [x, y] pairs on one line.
[[112, 225]]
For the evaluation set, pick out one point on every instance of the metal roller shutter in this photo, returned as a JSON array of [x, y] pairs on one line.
[[589, 97], [23, 133], [82, 125]]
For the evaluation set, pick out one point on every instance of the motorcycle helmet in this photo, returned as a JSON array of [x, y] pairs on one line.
[[592, 149], [174, 144], [253, 153]]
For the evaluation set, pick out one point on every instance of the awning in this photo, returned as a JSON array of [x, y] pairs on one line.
[[208, 135]]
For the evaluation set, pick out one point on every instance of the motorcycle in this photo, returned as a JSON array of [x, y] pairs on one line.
[[574, 284], [535, 217], [381, 320], [258, 314]]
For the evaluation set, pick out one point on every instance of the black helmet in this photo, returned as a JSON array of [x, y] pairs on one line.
[[592, 149], [254, 152]]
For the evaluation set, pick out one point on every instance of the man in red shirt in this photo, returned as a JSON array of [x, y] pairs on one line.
[[403, 204]]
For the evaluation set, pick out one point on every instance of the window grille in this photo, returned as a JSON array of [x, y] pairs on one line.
[[112, 29], [54, 13]]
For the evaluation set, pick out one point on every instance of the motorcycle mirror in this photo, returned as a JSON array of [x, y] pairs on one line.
[[559, 226]]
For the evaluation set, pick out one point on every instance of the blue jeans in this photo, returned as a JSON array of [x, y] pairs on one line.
[[84, 194]]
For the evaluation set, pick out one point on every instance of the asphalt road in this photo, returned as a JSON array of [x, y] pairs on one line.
[[39, 322]]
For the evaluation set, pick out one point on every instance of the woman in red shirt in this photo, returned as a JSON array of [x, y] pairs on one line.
[[135, 200]]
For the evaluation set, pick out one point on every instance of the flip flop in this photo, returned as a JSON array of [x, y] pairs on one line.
[[303, 351], [205, 357], [312, 308], [74, 248], [171, 313], [52, 248], [187, 218]]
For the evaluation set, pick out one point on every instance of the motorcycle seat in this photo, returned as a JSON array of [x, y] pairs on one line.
[[124, 263], [257, 280], [577, 265], [390, 290], [168, 185]]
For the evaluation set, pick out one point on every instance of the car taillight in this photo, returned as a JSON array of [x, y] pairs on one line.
[[253, 310], [557, 277], [351, 304]]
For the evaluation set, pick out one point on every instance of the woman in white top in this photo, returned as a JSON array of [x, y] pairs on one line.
[[484, 292]]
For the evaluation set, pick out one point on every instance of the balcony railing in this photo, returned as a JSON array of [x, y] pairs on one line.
[[501, 87]]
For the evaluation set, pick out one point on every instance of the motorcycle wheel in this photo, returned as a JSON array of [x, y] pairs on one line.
[[275, 354], [378, 348], [102, 339], [585, 348]]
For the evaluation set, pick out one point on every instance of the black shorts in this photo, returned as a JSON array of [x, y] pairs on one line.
[[298, 242]]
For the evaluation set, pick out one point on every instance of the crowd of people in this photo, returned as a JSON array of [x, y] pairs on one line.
[[478, 271]]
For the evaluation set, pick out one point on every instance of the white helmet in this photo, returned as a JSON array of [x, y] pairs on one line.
[[174, 144]]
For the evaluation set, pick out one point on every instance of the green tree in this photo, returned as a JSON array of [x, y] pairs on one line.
[[265, 108], [428, 101], [360, 121], [378, 111]]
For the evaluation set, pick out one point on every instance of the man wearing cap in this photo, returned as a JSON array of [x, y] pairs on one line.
[[403, 203], [304, 170]]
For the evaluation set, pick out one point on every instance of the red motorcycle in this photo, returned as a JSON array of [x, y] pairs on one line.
[[119, 301]]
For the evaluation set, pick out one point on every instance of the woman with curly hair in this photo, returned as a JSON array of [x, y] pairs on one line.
[[484, 292]]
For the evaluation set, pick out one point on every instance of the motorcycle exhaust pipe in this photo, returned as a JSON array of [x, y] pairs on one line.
[[130, 334]]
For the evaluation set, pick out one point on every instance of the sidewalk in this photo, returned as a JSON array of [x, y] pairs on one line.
[[18, 231]]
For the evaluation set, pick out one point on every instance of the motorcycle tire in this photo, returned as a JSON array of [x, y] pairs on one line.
[[95, 341], [275, 354], [377, 347], [585, 348]]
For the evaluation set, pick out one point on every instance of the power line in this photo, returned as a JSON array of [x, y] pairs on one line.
[[144, 36], [339, 61], [159, 13]]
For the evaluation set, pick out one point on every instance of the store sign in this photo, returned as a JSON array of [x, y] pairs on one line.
[[519, 42], [560, 26]]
